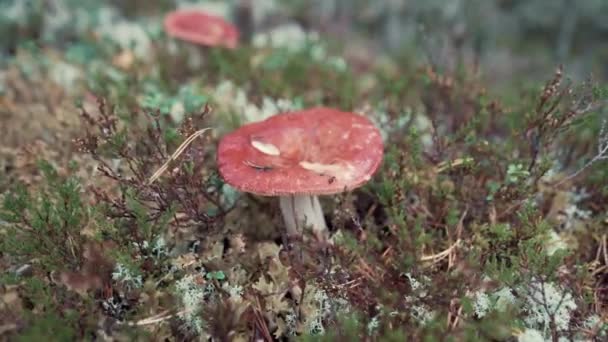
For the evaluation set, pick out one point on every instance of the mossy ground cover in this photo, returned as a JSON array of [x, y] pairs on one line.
[[487, 220]]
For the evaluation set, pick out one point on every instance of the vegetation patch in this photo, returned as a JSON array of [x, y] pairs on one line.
[[486, 220]]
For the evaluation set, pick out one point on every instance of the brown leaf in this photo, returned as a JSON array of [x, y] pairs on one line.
[[95, 272], [81, 283]]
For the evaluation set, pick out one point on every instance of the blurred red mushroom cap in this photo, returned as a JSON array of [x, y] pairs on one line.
[[313, 152], [201, 28]]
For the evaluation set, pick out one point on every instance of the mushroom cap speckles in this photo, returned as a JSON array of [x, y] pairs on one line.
[[315, 151], [201, 28]]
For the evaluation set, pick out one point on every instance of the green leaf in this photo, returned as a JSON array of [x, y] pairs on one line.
[[218, 275]]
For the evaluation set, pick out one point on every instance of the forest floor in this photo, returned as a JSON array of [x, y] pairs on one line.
[[487, 219]]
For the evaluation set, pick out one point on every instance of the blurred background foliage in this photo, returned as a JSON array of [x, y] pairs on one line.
[[503, 36]]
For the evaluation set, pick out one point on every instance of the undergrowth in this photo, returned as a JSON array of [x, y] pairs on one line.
[[486, 222]]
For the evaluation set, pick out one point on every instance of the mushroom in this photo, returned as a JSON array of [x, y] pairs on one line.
[[201, 28], [298, 156]]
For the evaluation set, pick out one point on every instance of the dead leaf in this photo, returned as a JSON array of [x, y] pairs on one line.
[[124, 60], [277, 271], [267, 249], [95, 272]]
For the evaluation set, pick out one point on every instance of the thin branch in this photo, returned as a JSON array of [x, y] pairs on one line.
[[602, 154], [176, 154], [158, 318]]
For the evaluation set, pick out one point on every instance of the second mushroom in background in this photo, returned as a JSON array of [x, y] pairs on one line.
[[201, 28]]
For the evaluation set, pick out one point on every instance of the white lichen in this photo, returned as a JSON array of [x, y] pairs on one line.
[[482, 304], [487, 302], [263, 9], [503, 299], [269, 107], [418, 286], [546, 302], [127, 276], [234, 291], [531, 335], [192, 295], [422, 314], [217, 8], [159, 248], [323, 310], [553, 173], [15, 11], [291, 323], [554, 242], [390, 125], [233, 99], [177, 111], [128, 36], [290, 37], [59, 17], [315, 326], [572, 211], [419, 312], [293, 39], [65, 75], [373, 325], [596, 326]]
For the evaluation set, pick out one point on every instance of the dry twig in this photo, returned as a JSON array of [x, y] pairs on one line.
[[176, 154]]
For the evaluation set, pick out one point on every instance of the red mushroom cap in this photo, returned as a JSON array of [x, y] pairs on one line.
[[315, 151], [201, 28]]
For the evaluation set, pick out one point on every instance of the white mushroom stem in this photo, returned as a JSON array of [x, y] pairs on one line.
[[303, 212]]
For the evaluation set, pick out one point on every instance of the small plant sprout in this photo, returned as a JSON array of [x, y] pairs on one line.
[[298, 156], [516, 173], [217, 275]]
